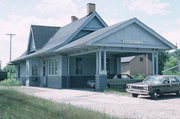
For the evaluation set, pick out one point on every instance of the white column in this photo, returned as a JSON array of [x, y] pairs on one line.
[[118, 65], [97, 63], [104, 60], [100, 61], [152, 64], [68, 72], [157, 64], [147, 65]]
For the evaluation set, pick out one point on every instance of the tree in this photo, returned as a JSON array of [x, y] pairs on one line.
[[10, 69], [172, 62], [163, 58], [176, 53]]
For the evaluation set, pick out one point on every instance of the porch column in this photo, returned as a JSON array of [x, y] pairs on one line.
[[68, 65], [28, 72], [100, 67], [101, 77], [157, 72], [105, 61], [147, 65], [118, 70], [153, 72], [97, 63]]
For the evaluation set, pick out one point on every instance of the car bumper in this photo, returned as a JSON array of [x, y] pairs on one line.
[[139, 92]]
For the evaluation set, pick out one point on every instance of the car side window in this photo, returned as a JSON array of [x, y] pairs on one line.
[[173, 80], [166, 80], [125, 77]]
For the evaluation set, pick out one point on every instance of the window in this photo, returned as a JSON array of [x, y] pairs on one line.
[[34, 70], [78, 65], [52, 66], [141, 59], [173, 80]]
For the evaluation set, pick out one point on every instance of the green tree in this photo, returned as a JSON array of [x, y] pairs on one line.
[[176, 53], [163, 58], [10, 69], [169, 64]]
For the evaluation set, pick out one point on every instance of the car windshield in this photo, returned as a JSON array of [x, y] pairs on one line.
[[154, 79]]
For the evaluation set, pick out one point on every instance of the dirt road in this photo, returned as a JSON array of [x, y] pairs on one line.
[[167, 107]]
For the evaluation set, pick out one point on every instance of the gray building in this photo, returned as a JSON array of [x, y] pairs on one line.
[[87, 48], [136, 64]]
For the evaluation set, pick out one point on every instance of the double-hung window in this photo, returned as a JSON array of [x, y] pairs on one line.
[[34, 70], [53, 66]]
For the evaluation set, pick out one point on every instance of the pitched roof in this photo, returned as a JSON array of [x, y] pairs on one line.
[[84, 40], [101, 33], [127, 59], [66, 33], [42, 34]]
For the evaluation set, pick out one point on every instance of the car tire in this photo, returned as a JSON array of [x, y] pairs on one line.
[[134, 95], [178, 93], [154, 95]]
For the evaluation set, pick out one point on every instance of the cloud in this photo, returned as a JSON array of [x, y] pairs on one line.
[[150, 7], [2, 4], [178, 21], [19, 25], [54, 6], [173, 37]]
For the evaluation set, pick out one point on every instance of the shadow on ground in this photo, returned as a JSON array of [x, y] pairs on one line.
[[162, 97]]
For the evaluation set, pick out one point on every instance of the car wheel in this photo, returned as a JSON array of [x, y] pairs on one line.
[[154, 95], [134, 95], [178, 93]]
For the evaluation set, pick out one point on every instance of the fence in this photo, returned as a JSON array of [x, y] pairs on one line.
[[3, 75]]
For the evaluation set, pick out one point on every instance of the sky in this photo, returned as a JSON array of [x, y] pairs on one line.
[[16, 16]]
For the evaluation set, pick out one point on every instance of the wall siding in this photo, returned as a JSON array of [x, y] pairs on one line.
[[132, 32]]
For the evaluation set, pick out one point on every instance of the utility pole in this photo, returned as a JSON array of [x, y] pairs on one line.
[[10, 36]]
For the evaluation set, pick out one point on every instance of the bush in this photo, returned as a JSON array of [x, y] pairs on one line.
[[10, 82], [139, 76]]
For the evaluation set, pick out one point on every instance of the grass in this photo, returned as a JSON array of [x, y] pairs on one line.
[[10, 82], [16, 105]]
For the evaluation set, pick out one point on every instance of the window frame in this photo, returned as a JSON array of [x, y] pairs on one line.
[[37, 72], [52, 66]]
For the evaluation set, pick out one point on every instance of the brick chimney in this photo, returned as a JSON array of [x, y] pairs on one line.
[[73, 18], [91, 7]]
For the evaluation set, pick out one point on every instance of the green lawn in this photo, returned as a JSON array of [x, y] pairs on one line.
[[15, 105]]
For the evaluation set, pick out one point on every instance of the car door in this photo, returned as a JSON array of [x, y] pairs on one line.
[[166, 86], [174, 84]]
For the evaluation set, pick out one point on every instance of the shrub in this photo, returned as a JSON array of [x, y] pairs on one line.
[[10, 82], [139, 76]]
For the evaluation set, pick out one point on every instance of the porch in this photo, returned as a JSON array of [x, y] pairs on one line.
[[100, 64]]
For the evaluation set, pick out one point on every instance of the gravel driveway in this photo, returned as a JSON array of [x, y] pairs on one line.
[[118, 105]]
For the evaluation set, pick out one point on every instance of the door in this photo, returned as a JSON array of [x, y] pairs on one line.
[[174, 84], [166, 86]]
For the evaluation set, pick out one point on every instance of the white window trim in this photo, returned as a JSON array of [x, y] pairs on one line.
[[58, 62]]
